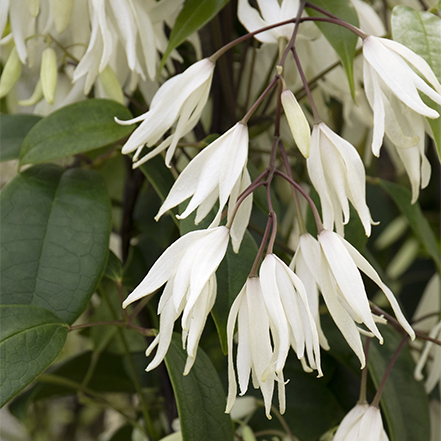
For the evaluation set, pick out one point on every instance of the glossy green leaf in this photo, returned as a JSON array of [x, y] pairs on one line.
[[421, 32], [341, 39], [231, 277], [30, 340], [194, 15], [199, 395], [73, 129], [13, 129], [54, 238], [404, 400], [415, 216]]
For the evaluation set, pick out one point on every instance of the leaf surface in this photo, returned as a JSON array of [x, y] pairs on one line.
[[54, 238], [30, 340]]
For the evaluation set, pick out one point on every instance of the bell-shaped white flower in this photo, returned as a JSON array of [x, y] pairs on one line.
[[334, 264], [291, 321], [270, 12], [388, 69], [362, 423], [211, 175], [254, 349], [187, 268], [337, 173], [181, 99]]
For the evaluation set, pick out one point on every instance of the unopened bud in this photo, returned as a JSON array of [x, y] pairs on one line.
[[62, 11], [37, 95], [48, 74], [297, 122], [11, 73], [247, 433], [111, 85]]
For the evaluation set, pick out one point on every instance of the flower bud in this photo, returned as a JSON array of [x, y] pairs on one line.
[[11, 73], [111, 85], [48, 74], [33, 6], [62, 11], [297, 122], [36, 96]]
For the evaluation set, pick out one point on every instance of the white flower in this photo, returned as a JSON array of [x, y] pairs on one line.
[[211, 175], [405, 129], [362, 423], [291, 321], [431, 352], [182, 99], [386, 72], [337, 173], [334, 264], [254, 350], [270, 12], [187, 268]]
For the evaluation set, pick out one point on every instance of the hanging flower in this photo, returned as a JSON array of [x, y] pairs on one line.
[[254, 349], [337, 173], [362, 423], [182, 99], [388, 69], [187, 268], [334, 264], [211, 175], [291, 320]]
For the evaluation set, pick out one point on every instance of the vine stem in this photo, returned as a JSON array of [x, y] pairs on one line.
[[315, 212], [377, 397], [362, 397]]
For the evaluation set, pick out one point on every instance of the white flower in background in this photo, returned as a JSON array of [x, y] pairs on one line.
[[337, 173], [362, 423], [270, 12], [182, 99], [369, 20], [386, 71], [431, 358], [291, 321], [211, 175], [254, 349], [334, 265], [187, 268], [406, 130]]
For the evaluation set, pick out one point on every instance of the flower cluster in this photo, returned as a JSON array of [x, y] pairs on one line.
[[278, 306]]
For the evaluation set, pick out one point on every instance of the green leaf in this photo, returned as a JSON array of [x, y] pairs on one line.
[[194, 15], [30, 340], [54, 238], [421, 32], [114, 269], [231, 277], [73, 129], [414, 215], [404, 400], [13, 129], [341, 39], [199, 395]]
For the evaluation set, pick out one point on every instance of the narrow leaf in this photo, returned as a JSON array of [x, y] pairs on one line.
[[73, 129], [199, 395], [54, 238], [30, 340], [404, 400], [13, 129], [414, 215], [194, 15], [421, 32], [341, 39]]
